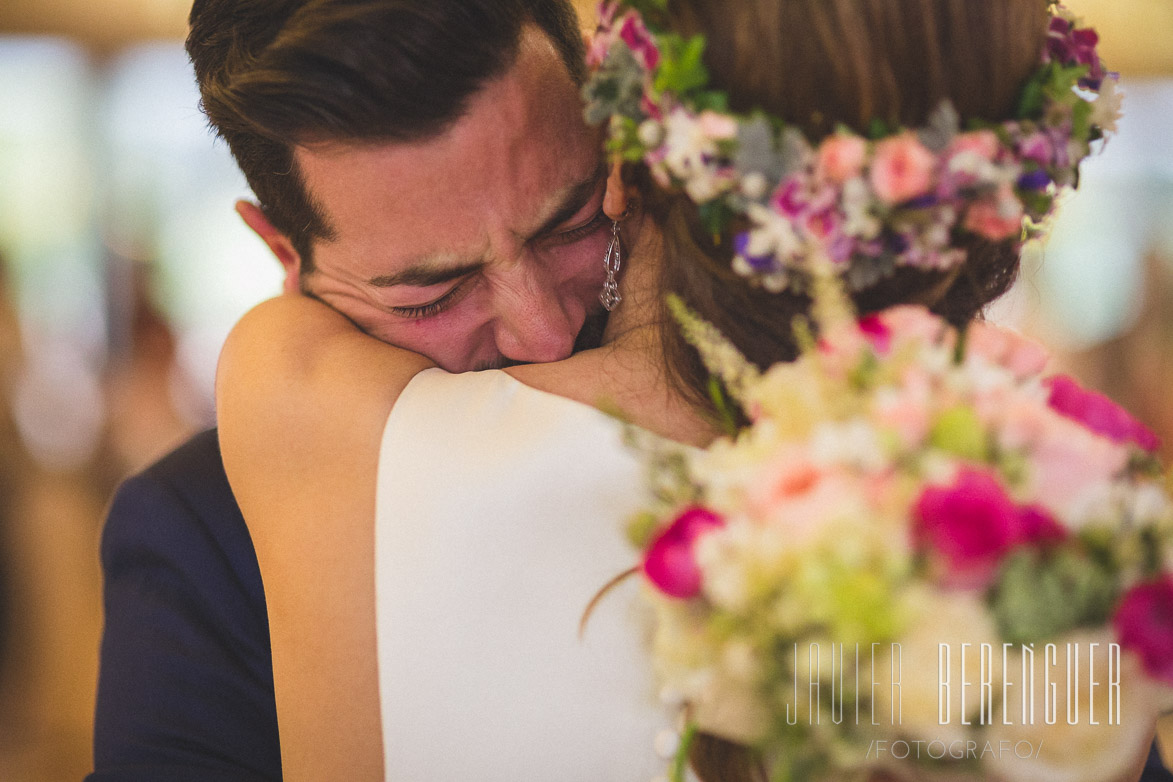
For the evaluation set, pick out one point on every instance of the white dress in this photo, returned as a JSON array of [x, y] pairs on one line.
[[500, 514]]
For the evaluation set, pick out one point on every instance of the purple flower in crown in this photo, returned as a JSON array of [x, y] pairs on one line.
[[634, 33], [1060, 142], [1069, 45], [758, 263], [1035, 180]]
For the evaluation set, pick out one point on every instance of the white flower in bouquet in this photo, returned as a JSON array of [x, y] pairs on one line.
[[1077, 733], [951, 639]]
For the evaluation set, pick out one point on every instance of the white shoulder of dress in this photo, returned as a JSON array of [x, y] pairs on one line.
[[500, 514], [477, 405]]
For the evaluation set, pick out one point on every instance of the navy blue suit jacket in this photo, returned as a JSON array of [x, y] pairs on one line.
[[185, 689]]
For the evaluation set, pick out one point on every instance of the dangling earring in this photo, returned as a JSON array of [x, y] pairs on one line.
[[609, 296]]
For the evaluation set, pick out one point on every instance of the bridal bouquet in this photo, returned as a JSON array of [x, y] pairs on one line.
[[921, 557]]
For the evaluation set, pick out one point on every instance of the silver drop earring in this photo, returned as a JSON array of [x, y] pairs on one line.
[[609, 296]]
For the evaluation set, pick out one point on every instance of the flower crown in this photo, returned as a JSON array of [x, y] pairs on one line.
[[863, 204]]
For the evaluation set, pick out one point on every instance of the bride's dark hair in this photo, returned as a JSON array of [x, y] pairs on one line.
[[818, 64], [822, 63]]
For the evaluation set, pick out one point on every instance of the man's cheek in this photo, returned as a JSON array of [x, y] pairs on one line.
[[583, 262]]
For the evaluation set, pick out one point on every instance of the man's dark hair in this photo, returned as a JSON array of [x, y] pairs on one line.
[[274, 74]]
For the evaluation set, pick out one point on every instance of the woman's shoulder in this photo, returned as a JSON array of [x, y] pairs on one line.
[[301, 398]]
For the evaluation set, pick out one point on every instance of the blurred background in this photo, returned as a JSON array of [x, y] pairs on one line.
[[123, 265]]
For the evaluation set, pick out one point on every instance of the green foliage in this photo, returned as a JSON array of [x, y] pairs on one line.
[[878, 129], [653, 11], [715, 215], [1036, 202], [1040, 595], [1081, 119], [681, 68], [641, 527], [727, 412], [680, 763], [959, 431], [863, 375], [961, 346], [1053, 82]]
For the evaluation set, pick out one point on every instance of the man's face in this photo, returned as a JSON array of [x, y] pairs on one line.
[[479, 246]]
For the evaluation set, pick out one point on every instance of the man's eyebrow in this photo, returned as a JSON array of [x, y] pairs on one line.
[[425, 274], [575, 199]]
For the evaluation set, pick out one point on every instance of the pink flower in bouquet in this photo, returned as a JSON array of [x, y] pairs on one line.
[[1065, 459], [841, 157], [973, 523], [909, 411], [799, 496], [902, 169], [1023, 357], [1144, 623], [912, 322], [843, 345], [1037, 525], [996, 218], [877, 332], [670, 561], [1098, 413]]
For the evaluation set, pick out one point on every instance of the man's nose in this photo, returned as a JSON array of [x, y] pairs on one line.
[[533, 324]]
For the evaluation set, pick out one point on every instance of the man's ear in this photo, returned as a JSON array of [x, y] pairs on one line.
[[278, 243]]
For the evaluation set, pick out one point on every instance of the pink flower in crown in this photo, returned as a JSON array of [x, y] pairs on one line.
[[973, 523], [969, 161], [600, 42], [634, 33], [1023, 357], [1098, 413], [791, 198], [1037, 147], [998, 217], [825, 226], [719, 127], [650, 107], [902, 169], [841, 157], [670, 561], [1144, 624], [983, 143]]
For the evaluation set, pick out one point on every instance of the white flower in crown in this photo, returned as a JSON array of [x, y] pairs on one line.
[[689, 152], [768, 246], [859, 221], [1106, 109]]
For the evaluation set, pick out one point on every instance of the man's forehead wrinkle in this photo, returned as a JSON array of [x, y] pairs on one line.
[[426, 273], [561, 205]]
